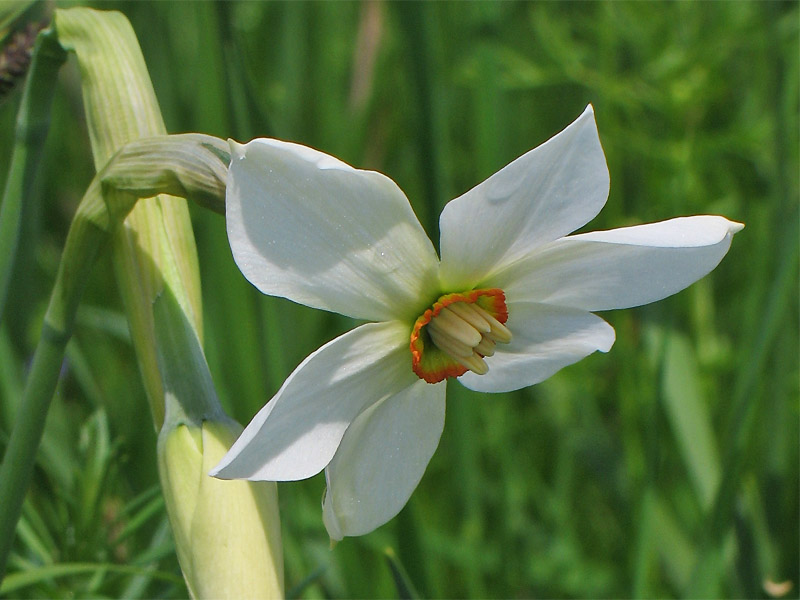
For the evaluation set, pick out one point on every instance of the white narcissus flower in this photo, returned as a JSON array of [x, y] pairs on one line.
[[509, 303]]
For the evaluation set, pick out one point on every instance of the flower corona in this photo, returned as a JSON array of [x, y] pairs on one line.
[[457, 333]]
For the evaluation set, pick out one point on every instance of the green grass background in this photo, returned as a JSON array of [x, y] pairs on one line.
[[666, 468]]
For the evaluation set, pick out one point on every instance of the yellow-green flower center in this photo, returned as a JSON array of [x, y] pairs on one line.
[[457, 333]]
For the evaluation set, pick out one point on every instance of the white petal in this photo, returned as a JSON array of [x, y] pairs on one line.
[[308, 227], [296, 434], [545, 194], [620, 268], [382, 458], [546, 339]]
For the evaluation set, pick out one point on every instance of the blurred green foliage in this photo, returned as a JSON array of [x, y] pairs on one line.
[[666, 468]]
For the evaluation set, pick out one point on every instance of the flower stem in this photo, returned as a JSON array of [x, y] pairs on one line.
[[85, 238]]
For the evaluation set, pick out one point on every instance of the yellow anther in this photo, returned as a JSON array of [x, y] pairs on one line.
[[485, 347], [470, 314], [467, 333], [449, 344], [474, 363], [499, 332], [451, 324]]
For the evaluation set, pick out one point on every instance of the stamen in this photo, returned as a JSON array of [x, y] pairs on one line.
[[456, 327], [499, 332], [449, 344], [474, 363], [486, 347], [467, 333], [470, 314]]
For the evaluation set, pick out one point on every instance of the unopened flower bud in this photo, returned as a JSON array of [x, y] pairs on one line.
[[227, 533]]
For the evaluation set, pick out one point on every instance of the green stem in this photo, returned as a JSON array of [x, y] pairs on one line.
[[33, 122], [83, 242]]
